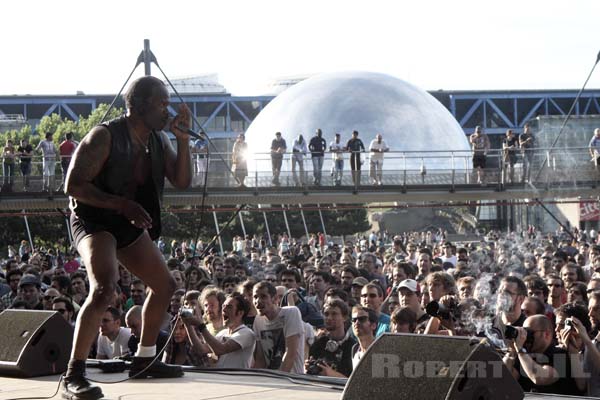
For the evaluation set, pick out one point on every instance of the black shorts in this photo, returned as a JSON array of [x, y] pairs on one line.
[[511, 158], [121, 229], [479, 161]]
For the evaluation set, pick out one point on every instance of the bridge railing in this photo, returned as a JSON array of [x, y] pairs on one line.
[[400, 169], [445, 167]]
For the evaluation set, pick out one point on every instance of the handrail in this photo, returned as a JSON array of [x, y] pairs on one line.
[[451, 169]]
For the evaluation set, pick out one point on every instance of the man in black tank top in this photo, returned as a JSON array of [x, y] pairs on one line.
[[115, 182]]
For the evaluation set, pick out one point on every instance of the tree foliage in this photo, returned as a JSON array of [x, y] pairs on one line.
[[59, 126]]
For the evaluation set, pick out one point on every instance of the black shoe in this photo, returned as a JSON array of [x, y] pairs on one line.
[[79, 388], [158, 369]]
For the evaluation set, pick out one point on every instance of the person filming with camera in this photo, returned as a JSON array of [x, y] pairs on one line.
[[331, 353], [536, 363]]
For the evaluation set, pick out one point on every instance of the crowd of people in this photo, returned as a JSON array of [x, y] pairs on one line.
[[315, 306]]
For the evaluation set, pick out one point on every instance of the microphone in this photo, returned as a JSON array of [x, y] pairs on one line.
[[195, 135]]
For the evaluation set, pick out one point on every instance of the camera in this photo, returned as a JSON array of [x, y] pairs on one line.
[[313, 367], [569, 323], [185, 312], [511, 333], [436, 309]]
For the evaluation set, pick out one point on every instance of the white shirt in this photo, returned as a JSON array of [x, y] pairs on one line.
[[300, 148], [241, 358], [451, 259], [356, 358], [118, 347], [336, 150], [269, 333], [377, 155], [48, 149]]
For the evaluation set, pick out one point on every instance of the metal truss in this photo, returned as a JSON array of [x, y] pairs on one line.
[[497, 111], [225, 116]]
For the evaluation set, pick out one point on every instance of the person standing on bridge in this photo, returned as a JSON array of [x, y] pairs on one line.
[[49, 162], [278, 149], [480, 144], [66, 149], [317, 147], [8, 166], [25, 152], [510, 144], [527, 143], [355, 146], [115, 183], [239, 160], [337, 150], [299, 150], [377, 148], [595, 147]]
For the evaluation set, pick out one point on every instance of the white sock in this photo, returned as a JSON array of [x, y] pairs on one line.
[[146, 351]]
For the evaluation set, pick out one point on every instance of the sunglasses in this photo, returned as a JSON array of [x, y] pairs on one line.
[[361, 319], [48, 298], [371, 295], [61, 310]]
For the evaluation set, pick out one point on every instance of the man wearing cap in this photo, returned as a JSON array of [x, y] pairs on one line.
[[449, 255], [409, 295], [356, 289], [29, 292], [480, 144], [278, 149], [337, 154]]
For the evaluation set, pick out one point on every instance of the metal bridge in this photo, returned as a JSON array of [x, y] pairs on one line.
[[407, 177], [223, 116]]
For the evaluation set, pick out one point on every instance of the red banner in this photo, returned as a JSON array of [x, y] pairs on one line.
[[589, 211]]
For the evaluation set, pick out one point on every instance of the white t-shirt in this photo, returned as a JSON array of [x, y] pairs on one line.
[[241, 358], [110, 349], [47, 147], [271, 336], [377, 155], [336, 150], [451, 259], [356, 358]]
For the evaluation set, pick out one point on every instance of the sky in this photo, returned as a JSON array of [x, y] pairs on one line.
[[60, 47]]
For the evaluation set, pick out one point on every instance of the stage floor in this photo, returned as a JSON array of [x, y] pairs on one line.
[[194, 385]]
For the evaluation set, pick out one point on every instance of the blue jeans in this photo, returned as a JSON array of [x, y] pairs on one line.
[[8, 170], [317, 168], [338, 170]]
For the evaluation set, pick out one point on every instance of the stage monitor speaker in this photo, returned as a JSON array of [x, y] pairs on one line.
[[34, 343], [407, 366]]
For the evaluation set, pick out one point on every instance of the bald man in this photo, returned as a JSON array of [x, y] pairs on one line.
[[133, 319], [543, 367]]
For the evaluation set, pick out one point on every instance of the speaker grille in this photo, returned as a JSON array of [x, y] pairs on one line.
[[17, 328]]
